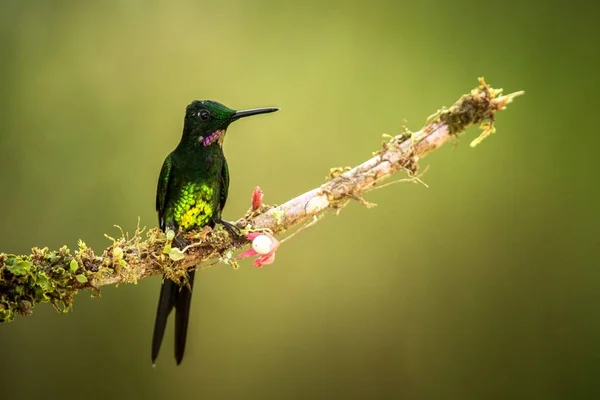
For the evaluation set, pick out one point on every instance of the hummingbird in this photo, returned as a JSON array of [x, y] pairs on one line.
[[192, 192]]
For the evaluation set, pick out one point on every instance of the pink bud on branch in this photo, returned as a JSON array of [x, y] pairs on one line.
[[257, 196]]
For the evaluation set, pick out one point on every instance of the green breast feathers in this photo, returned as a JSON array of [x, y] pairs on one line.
[[195, 206]]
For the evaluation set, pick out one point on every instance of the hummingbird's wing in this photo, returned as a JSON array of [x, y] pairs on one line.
[[224, 185], [161, 191]]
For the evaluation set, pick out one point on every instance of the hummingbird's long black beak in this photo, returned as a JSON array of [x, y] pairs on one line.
[[253, 111]]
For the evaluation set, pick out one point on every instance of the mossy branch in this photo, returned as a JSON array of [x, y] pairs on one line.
[[56, 276]]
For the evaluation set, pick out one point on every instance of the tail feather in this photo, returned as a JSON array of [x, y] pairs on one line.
[[182, 316], [166, 302]]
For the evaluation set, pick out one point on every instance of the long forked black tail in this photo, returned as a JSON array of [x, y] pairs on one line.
[[172, 295]]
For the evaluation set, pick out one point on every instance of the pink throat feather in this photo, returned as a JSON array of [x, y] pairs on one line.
[[216, 135]]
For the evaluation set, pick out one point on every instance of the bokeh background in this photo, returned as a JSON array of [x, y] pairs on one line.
[[483, 286]]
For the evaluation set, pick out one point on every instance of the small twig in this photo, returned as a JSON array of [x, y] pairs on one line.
[[412, 179], [315, 219]]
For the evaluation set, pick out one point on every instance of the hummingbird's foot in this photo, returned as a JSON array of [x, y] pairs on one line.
[[233, 230], [180, 242]]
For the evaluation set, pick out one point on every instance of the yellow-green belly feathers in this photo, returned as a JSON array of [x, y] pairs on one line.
[[195, 206]]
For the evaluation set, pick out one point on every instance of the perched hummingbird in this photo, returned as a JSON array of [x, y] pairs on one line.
[[192, 191]]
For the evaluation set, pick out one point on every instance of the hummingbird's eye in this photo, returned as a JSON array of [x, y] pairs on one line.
[[204, 115]]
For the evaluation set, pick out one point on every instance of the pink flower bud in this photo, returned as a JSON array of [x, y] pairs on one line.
[[257, 196]]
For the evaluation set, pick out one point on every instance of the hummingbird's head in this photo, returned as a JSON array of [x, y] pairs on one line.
[[206, 121]]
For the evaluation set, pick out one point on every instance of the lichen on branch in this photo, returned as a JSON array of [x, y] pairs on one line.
[[56, 276]]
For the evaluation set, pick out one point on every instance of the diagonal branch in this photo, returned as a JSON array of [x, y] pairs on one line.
[[56, 276]]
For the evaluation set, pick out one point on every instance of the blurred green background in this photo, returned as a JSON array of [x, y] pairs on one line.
[[483, 286]]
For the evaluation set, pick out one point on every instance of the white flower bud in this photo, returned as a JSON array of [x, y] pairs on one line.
[[262, 244]]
